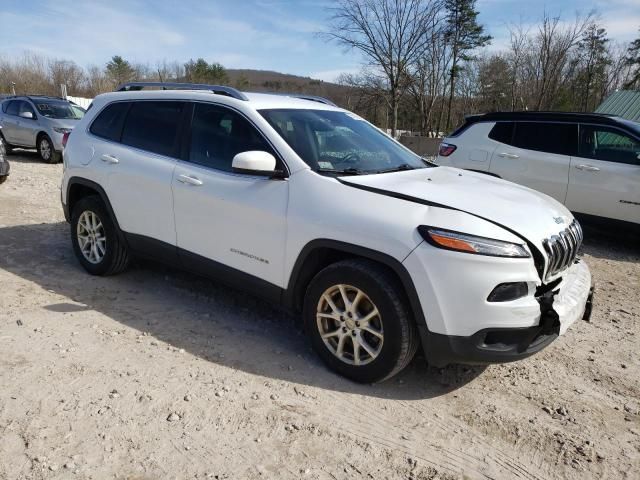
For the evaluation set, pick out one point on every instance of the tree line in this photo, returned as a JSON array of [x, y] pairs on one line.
[[36, 74], [427, 65]]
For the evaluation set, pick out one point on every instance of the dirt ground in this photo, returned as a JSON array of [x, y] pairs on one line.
[[157, 374]]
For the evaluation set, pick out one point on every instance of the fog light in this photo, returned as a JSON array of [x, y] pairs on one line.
[[506, 292]]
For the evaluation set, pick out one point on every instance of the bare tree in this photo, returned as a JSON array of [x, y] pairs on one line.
[[389, 34]]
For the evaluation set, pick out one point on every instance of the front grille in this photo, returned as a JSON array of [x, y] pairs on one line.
[[562, 249]]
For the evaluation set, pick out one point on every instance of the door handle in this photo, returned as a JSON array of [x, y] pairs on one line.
[[508, 155], [196, 182], [109, 159], [588, 168]]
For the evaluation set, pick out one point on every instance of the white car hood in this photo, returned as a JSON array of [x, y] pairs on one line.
[[530, 214]]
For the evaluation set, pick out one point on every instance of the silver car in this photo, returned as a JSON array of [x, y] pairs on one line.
[[4, 163], [39, 122]]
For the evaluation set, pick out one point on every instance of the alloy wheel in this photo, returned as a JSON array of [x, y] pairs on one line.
[[91, 237], [350, 324], [45, 149]]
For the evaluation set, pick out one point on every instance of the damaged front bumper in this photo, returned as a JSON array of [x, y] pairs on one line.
[[561, 304]]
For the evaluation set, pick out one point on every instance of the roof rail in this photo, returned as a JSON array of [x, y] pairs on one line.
[[311, 98], [217, 89]]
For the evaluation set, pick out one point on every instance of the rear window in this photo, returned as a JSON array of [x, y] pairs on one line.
[[559, 138], [502, 132], [153, 126], [108, 123]]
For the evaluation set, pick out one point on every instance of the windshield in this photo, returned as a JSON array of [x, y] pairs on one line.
[[340, 142], [62, 110]]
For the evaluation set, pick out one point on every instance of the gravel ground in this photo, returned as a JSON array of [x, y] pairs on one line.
[[156, 373]]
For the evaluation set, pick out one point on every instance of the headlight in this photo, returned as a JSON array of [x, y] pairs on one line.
[[62, 130], [462, 242]]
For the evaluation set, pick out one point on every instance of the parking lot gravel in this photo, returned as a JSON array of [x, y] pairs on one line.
[[158, 374]]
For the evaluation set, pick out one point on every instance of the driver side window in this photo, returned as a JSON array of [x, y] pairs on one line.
[[218, 134], [608, 144], [25, 107]]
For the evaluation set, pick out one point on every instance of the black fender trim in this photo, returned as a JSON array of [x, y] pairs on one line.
[[290, 294], [103, 196]]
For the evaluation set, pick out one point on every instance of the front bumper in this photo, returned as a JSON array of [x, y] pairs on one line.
[[505, 331]]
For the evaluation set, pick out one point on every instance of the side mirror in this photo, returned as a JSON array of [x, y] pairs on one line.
[[254, 162], [28, 115]]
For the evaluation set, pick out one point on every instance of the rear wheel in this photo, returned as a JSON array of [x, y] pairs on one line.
[[8, 149], [3, 179], [46, 151], [357, 319], [96, 240]]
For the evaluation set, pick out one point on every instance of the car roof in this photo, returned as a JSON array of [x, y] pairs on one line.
[[542, 116], [257, 101]]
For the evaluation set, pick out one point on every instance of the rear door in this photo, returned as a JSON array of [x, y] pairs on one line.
[[605, 174], [9, 120], [237, 220], [137, 156], [537, 156]]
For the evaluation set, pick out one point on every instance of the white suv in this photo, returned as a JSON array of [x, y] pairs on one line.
[[308, 205], [589, 162]]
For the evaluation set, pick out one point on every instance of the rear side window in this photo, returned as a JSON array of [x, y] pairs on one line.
[[153, 126], [559, 138], [502, 132], [108, 123], [12, 108], [219, 134]]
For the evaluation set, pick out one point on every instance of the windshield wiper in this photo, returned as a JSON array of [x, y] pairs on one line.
[[346, 171], [399, 168]]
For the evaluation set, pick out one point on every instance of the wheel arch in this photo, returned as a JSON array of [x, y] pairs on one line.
[[79, 188], [321, 253]]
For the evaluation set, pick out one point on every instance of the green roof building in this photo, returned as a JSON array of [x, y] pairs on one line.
[[624, 103]]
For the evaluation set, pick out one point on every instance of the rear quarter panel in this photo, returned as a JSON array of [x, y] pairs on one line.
[[474, 148]]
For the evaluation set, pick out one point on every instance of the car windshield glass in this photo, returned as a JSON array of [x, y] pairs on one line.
[[340, 142], [62, 110]]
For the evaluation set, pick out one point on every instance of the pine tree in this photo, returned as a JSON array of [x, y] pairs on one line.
[[463, 34], [593, 61], [119, 70], [633, 60]]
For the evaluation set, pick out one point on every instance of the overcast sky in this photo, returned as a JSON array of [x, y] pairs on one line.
[[275, 35]]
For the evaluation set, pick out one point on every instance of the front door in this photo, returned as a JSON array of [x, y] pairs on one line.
[[605, 175], [235, 220]]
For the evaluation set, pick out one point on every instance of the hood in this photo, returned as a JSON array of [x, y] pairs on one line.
[[63, 122], [530, 214]]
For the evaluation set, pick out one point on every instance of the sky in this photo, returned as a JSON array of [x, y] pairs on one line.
[[280, 35]]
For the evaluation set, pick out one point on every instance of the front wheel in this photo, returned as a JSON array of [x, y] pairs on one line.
[[96, 242], [3, 179], [358, 321], [46, 151]]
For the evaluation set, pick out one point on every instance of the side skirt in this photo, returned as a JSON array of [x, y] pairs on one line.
[[171, 255]]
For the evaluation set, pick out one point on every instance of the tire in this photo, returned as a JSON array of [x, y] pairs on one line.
[[3, 179], [8, 149], [386, 355], [107, 238], [46, 150]]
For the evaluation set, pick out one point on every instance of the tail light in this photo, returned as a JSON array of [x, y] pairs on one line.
[[65, 137], [446, 149]]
